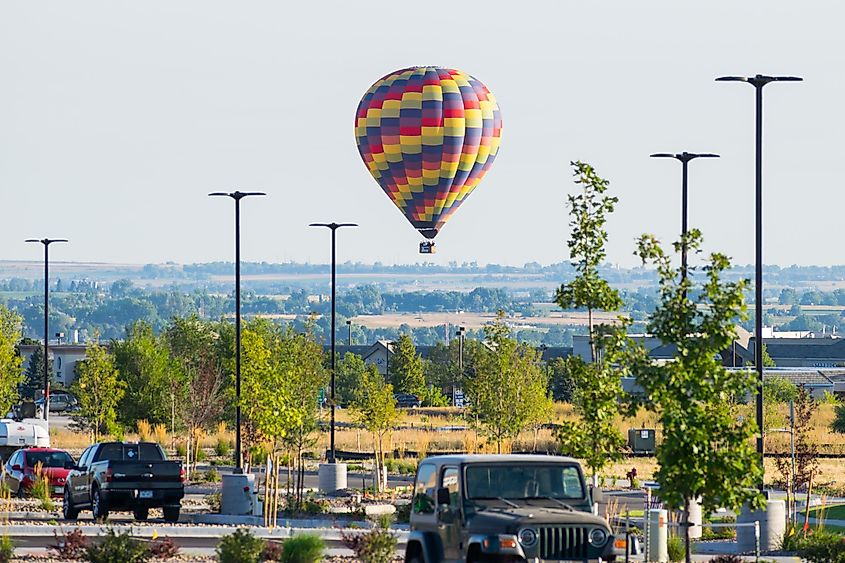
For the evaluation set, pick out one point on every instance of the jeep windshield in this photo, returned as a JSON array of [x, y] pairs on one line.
[[523, 482]]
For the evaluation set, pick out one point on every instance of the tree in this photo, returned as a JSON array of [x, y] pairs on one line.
[[99, 390], [350, 371], [10, 360], [406, 368], [375, 408], [597, 386], [707, 451], [33, 378], [508, 390], [144, 363], [560, 380], [589, 210]]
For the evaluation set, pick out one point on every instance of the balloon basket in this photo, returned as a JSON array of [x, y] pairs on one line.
[[427, 247]]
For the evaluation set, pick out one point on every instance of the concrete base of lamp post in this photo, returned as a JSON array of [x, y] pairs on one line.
[[237, 496], [772, 527], [331, 477]]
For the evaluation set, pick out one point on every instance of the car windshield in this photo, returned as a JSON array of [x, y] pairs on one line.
[[48, 459], [524, 481]]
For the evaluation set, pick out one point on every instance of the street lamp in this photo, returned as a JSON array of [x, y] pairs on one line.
[[348, 333], [460, 334], [334, 227], [237, 196], [759, 81], [46, 242], [684, 158]]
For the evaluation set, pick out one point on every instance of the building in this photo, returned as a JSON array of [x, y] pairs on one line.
[[808, 352], [64, 356]]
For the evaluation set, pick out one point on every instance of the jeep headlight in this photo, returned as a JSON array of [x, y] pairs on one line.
[[598, 537], [528, 537]]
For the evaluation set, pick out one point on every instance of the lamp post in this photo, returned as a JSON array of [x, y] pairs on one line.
[[348, 333], [333, 227], [684, 158], [759, 81], [460, 334], [237, 196], [46, 242]]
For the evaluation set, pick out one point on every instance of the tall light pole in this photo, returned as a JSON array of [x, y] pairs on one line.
[[46, 242], [237, 196], [759, 81], [460, 334], [333, 227], [348, 333], [684, 158]]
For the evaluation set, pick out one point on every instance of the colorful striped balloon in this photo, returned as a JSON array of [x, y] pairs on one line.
[[428, 135]]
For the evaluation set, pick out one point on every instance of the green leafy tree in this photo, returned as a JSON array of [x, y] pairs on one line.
[[99, 389], [508, 390], [375, 408], [10, 360], [33, 379], [301, 363], [144, 362], [407, 372], [707, 451], [589, 210], [597, 385], [350, 371]]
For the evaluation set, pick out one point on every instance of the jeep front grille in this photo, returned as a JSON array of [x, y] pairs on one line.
[[558, 542]]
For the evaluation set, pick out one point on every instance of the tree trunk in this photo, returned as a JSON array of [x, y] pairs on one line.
[[590, 333], [687, 547]]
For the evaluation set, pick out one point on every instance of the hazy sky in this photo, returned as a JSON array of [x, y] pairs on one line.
[[116, 118]]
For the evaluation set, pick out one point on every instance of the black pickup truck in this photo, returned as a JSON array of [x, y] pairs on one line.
[[124, 476]]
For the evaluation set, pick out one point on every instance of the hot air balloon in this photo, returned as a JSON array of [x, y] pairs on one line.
[[428, 135]]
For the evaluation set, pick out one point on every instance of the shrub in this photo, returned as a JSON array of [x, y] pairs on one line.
[[222, 448], [240, 547], [41, 489], [822, 547], [117, 548], [164, 549], [160, 431], [675, 549], [303, 548], [145, 430], [213, 500], [316, 506], [272, 551], [181, 450], [376, 546], [70, 545], [403, 513], [7, 549], [726, 559]]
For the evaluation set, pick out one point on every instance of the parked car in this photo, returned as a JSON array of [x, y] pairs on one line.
[[59, 402], [21, 475], [506, 508], [406, 400], [132, 476]]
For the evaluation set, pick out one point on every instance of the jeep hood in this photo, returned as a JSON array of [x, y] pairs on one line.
[[509, 520]]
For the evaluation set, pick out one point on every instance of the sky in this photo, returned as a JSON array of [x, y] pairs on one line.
[[117, 118]]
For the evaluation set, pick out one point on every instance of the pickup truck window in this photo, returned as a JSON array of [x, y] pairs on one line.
[[130, 452]]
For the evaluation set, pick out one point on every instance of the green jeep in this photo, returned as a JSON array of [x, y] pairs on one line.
[[505, 508]]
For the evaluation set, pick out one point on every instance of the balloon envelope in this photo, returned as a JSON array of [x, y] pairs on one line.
[[428, 135]]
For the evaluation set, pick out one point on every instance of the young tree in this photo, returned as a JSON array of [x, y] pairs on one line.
[[33, 378], [375, 408], [596, 386], [406, 368], [10, 360], [508, 389], [99, 390], [707, 451], [589, 210]]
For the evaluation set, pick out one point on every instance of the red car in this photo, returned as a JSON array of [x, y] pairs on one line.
[[20, 469]]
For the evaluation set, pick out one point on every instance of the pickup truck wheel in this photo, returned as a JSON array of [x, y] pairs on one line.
[[69, 512], [141, 513], [171, 513], [98, 506]]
